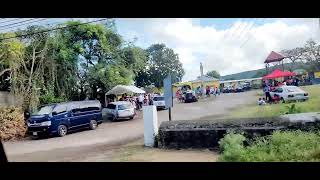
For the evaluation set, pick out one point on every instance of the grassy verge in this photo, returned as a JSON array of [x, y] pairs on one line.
[[279, 147], [253, 110]]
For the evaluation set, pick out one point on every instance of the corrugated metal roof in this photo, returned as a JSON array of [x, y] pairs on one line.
[[251, 79], [205, 79]]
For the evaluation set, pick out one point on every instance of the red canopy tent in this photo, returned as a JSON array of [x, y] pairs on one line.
[[278, 73]]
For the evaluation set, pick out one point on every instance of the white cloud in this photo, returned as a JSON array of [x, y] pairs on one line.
[[220, 49]]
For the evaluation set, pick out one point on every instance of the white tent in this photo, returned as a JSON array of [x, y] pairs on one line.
[[122, 89]]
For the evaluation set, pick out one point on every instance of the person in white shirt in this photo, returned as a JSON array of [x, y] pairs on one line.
[[261, 102], [140, 100]]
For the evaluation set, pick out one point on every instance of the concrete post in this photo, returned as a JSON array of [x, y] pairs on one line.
[[150, 119]]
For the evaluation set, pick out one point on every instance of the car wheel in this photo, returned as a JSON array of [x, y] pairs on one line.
[[283, 101], [131, 117], [113, 118], [62, 130], [93, 124]]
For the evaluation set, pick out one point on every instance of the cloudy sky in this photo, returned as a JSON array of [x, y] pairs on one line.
[[226, 45]]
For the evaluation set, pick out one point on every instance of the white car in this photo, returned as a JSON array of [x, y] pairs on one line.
[[119, 110], [159, 102], [290, 93]]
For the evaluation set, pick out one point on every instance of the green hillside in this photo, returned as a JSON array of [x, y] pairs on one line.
[[262, 72]]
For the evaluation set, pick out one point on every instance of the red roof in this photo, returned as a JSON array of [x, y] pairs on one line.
[[274, 57], [278, 73]]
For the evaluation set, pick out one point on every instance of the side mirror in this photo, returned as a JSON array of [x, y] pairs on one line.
[[27, 114], [54, 113]]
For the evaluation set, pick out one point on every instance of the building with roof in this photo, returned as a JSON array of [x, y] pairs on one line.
[[254, 82], [201, 80]]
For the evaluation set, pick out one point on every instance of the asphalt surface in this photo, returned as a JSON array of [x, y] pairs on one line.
[[109, 135]]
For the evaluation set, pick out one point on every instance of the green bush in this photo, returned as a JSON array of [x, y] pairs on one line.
[[293, 109], [280, 146], [49, 98]]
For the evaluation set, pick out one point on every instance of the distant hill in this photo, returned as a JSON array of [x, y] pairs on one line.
[[261, 72]]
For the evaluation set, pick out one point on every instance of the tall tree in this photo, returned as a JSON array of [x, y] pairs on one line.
[[214, 74], [161, 61], [294, 55], [312, 54], [99, 54]]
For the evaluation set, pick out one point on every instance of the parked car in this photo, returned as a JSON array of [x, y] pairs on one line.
[[227, 90], [119, 110], [159, 102], [290, 93], [189, 97], [239, 89], [59, 119]]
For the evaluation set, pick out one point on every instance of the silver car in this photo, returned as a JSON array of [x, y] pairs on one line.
[[119, 110], [290, 93]]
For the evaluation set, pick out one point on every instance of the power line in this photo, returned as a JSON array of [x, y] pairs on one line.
[[251, 36], [9, 20], [35, 20], [240, 24], [17, 22], [231, 32], [247, 29], [53, 29], [241, 30]]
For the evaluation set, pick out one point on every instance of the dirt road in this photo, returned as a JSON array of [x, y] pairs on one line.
[[108, 136]]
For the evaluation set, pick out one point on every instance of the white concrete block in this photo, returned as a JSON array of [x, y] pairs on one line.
[[150, 119]]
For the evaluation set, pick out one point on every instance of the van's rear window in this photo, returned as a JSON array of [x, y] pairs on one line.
[[124, 106], [160, 98], [111, 106]]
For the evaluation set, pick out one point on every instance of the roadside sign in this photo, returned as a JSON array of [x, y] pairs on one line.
[[167, 91], [168, 96]]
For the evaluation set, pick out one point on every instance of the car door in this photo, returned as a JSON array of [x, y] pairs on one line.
[[76, 119], [279, 92], [60, 115]]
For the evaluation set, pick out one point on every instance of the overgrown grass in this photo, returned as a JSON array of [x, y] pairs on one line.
[[253, 110], [280, 146]]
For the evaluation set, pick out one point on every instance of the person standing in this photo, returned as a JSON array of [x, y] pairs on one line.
[[208, 91], [267, 92], [140, 100]]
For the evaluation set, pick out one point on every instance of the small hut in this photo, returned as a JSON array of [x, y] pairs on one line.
[[274, 58]]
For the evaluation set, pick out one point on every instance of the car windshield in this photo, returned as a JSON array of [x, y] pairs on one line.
[[44, 110], [159, 98], [124, 106]]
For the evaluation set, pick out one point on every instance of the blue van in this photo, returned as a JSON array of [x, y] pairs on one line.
[[58, 119]]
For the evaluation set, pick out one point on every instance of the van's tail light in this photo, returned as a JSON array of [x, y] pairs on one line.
[[305, 94], [290, 95]]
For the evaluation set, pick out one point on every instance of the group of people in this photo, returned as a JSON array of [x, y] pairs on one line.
[[288, 82], [199, 91], [268, 87], [137, 100], [208, 91]]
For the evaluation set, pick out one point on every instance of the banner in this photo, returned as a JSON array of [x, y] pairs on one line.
[[317, 75]]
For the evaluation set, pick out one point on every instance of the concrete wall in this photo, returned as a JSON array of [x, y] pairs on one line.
[[207, 133], [7, 99]]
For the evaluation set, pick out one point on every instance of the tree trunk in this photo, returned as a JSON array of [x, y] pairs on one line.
[[32, 66]]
